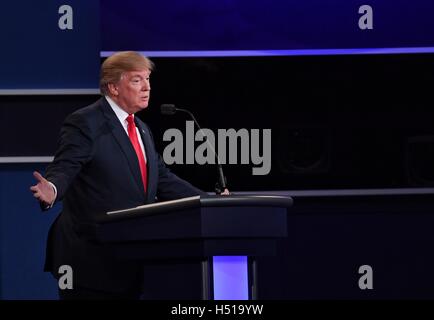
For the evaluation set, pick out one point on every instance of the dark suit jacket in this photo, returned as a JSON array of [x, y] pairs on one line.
[[96, 170]]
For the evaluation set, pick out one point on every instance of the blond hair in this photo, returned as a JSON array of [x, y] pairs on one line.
[[115, 65]]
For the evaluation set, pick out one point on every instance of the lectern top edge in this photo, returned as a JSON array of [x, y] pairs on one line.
[[158, 205], [198, 202]]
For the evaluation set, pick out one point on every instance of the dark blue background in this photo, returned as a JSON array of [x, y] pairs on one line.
[[36, 54], [23, 234]]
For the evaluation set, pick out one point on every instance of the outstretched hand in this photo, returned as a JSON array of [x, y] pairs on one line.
[[225, 192], [43, 190]]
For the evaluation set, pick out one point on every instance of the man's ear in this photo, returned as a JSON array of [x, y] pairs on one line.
[[113, 89]]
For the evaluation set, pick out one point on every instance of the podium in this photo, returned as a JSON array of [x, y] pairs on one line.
[[208, 230]]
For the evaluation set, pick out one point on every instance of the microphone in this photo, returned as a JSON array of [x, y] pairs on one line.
[[170, 109]]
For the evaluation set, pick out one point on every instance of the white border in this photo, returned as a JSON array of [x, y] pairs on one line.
[[26, 159]]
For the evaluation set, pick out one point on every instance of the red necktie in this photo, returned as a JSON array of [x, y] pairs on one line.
[[135, 142]]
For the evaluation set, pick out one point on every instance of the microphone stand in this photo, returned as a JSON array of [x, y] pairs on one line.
[[221, 184]]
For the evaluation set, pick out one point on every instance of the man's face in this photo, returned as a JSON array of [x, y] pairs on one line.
[[133, 91]]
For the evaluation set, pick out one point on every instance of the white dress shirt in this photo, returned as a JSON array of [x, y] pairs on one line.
[[122, 116]]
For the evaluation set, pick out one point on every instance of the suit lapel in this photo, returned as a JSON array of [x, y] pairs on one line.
[[124, 143]]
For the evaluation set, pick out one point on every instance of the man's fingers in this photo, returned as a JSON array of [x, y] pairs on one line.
[[35, 189], [225, 193], [39, 190], [38, 176], [38, 196]]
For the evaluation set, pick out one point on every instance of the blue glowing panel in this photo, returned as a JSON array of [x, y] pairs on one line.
[[230, 278], [259, 27]]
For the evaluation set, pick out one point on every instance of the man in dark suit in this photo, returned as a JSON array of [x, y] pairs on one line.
[[106, 160]]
